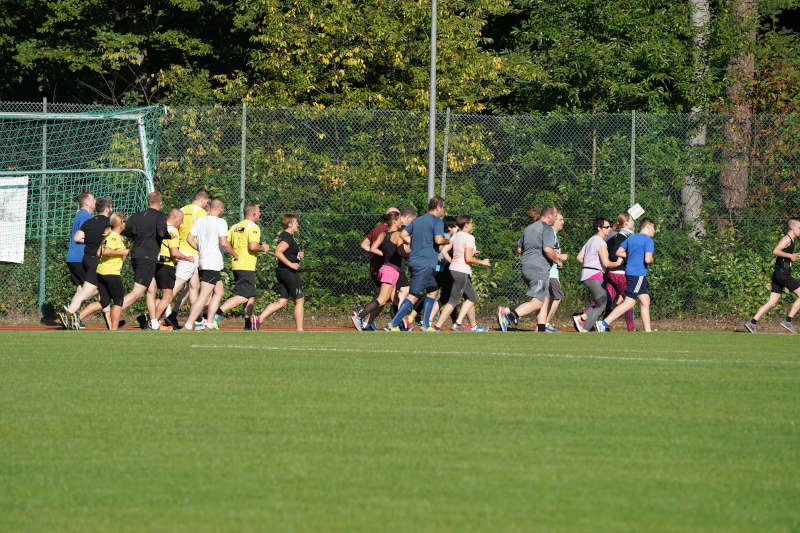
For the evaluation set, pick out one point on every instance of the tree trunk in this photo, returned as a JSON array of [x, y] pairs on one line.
[[691, 197], [737, 130]]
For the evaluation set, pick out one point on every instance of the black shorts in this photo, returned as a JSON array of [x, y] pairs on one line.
[[245, 283], [76, 273], [144, 270], [445, 281], [289, 286], [210, 276], [90, 263], [402, 281], [110, 289], [783, 279], [165, 277]]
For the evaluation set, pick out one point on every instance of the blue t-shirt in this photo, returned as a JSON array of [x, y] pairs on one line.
[[75, 251], [636, 246], [422, 230], [554, 266]]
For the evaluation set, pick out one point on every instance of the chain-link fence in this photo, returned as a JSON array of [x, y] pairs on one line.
[[731, 180]]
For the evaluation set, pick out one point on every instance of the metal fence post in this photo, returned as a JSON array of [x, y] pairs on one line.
[[444, 152], [432, 107], [243, 160], [633, 157], [43, 218]]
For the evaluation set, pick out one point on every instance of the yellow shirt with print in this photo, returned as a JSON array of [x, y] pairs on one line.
[[191, 214], [164, 257], [111, 265], [241, 235]]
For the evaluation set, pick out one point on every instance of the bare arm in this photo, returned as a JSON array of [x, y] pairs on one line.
[[605, 261], [470, 259], [444, 251], [402, 248], [621, 252], [280, 254], [79, 237], [778, 251], [107, 252], [579, 258], [552, 255], [440, 239], [365, 245], [192, 241], [258, 248], [648, 258], [175, 253], [376, 246], [225, 245]]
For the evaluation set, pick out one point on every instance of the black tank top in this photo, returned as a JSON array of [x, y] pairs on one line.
[[784, 263], [389, 249]]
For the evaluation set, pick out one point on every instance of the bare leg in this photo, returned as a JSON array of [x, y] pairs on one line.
[[528, 307], [774, 298], [299, 306], [89, 309], [86, 291], [273, 307], [150, 299], [236, 301], [137, 292], [466, 307], [644, 310], [796, 305], [116, 312], [163, 303], [197, 307], [541, 318], [622, 308], [215, 297], [446, 310], [552, 312]]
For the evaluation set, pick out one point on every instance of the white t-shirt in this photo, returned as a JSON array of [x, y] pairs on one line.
[[208, 230], [461, 242]]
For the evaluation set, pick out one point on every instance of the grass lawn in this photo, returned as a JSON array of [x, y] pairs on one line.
[[136, 431]]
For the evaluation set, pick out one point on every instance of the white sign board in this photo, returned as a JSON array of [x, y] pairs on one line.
[[13, 208]]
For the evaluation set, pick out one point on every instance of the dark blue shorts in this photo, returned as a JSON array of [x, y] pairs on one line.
[[636, 285], [423, 280]]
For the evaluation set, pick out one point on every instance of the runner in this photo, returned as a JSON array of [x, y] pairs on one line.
[[554, 292], [289, 285], [168, 257], [90, 234], [422, 234], [245, 237], [375, 263], [616, 281], [595, 260], [146, 229], [443, 277], [389, 246], [112, 254], [638, 251], [186, 271], [782, 278], [74, 257], [209, 236], [463, 247], [538, 254]]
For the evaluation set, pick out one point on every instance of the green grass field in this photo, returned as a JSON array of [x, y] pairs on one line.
[[135, 431]]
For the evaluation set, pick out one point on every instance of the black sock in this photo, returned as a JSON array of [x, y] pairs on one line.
[[540, 328], [368, 309], [513, 315], [753, 321], [788, 319]]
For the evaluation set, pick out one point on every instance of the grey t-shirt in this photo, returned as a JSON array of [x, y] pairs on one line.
[[535, 238]]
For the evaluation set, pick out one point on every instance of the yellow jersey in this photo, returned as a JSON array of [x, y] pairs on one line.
[[164, 257], [240, 236], [191, 214], [111, 265]]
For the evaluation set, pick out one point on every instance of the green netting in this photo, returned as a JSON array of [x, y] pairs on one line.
[[62, 154]]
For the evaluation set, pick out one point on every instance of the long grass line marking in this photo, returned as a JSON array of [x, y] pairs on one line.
[[500, 354]]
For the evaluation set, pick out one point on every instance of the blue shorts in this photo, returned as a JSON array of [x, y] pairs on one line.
[[636, 285], [422, 280]]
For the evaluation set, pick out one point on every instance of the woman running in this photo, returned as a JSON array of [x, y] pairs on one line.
[[289, 285], [391, 247], [594, 257], [112, 253], [615, 279]]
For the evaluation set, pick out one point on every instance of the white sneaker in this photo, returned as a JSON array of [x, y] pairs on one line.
[[576, 319], [356, 321], [599, 327]]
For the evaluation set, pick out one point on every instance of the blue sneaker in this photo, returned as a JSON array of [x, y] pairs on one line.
[[479, 329], [550, 329], [371, 327], [502, 319], [217, 319]]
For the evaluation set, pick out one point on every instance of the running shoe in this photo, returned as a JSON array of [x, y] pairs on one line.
[[371, 327], [247, 324], [432, 329], [211, 326], [199, 323], [172, 320], [255, 322], [407, 325], [217, 320], [63, 317], [479, 329], [390, 328], [77, 323], [107, 318], [599, 327], [749, 326], [576, 319], [502, 319], [143, 322], [550, 329], [164, 327], [788, 326], [357, 321], [458, 327]]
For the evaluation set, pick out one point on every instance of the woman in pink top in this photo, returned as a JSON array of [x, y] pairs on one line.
[[594, 257], [463, 254]]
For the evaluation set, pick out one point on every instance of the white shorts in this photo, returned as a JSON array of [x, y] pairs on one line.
[[185, 269]]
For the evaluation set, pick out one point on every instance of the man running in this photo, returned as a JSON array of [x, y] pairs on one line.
[[186, 271], [168, 256], [91, 234], [74, 258], [554, 292], [638, 252], [782, 278], [537, 246], [209, 236], [422, 234], [245, 238], [146, 229]]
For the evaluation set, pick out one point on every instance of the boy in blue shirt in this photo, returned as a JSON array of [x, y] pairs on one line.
[[638, 249]]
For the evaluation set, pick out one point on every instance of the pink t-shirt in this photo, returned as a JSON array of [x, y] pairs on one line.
[[461, 242], [592, 267]]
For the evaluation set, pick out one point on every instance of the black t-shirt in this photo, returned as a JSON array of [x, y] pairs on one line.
[[93, 229], [782, 263], [613, 245], [290, 253], [146, 229]]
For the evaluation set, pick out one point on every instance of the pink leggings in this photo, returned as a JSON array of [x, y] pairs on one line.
[[616, 284]]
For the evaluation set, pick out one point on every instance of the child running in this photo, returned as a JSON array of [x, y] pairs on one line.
[[463, 249], [391, 248], [289, 285], [782, 278], [594, 257], [112, 254]]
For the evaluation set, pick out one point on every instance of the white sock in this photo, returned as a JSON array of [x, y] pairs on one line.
[[154, 323]]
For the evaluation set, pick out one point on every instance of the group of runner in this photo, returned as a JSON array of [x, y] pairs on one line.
[[180, 254]]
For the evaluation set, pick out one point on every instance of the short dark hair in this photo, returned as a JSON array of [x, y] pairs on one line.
[[548, 210], [599, 222], [83, 197], [408, 212], [154, 198], [103, 203], [646, 222], [249, 207], [463, 220], [435, 203], [286, 219], [449, 222], [217, 203], [202, 194]]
